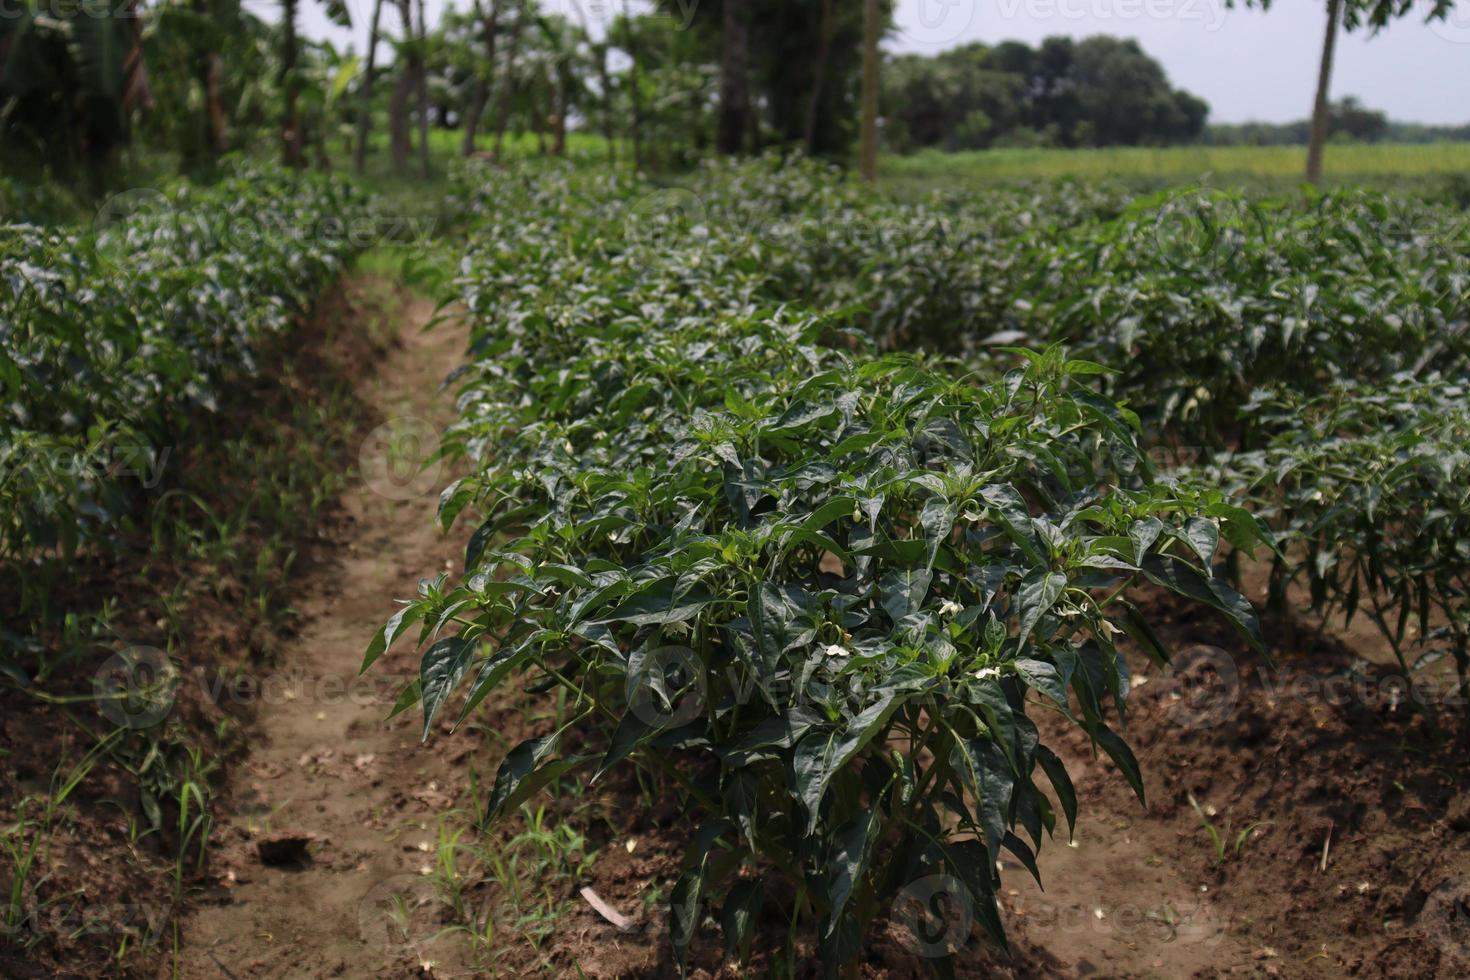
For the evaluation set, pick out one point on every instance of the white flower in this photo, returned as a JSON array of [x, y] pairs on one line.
[[987, 673], [676, 629], [1108, 629], [834, 650], [950, 608]]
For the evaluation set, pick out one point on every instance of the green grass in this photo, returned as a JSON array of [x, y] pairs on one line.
[[1372, 163]]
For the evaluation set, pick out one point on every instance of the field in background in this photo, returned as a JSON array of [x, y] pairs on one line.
[[1347, 163]]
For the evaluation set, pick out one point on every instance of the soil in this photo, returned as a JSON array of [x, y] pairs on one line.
[[336, 807], [1343, 819], [104, 895]]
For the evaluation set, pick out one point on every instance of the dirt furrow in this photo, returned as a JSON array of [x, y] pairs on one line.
[[335, 810]]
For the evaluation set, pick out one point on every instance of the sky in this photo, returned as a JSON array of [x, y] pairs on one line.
[[1246, 64]]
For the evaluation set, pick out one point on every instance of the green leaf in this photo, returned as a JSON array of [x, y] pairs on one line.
[[1061, 783], [1037, 594], [1179, 576], [442, 668]]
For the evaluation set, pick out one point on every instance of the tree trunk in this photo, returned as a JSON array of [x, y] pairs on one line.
[[630, 44], [605, 80], [1321, 107], [364, 122], [819, 77], [481, 96], [399, 127], [290, 121], [559, 117], [868, 124], [507, 80], [421, 76], [734, 79]]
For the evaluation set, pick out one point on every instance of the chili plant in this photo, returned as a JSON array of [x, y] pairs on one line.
[[817, 589], [1368, 490]]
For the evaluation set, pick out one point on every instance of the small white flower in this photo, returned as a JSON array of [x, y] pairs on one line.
[[950, 608], [1108, 629], [676, 629], [834, 650], [972, 517], [987, 673]]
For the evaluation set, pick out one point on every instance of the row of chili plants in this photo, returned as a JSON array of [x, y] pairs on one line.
[[116, 336], [818, 589]]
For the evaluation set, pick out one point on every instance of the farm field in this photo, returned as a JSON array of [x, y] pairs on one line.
[[1351, 163], [749, 573]]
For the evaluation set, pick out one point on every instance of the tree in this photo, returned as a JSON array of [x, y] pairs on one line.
[[291, 142], [868, 127], [365, 111], [1350, 15], [1318, 142], [734, 79], [489, 22]]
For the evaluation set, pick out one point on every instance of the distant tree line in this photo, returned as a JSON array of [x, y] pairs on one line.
[[1099, 91], [1348, 120]]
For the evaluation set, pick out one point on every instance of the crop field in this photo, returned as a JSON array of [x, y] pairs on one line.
[[1351, 163], [750, 571]]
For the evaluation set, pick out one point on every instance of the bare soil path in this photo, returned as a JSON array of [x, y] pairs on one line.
[[335, 807]]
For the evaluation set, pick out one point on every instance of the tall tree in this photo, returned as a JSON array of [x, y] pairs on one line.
[[868, 127], [210, 67], [734, 78], [819, 79], [421, 80], [1349, 14], [489, 22], [508, 78], [398, 122], [635, 83], [365, 111], [1318, 141], [291, 138]]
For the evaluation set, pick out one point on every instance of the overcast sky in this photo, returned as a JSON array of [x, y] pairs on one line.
[[1246, 64]]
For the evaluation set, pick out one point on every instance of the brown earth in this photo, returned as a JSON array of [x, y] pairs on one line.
[[1343, 821]]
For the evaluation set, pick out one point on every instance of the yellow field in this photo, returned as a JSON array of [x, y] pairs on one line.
[[1344, 162]]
